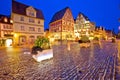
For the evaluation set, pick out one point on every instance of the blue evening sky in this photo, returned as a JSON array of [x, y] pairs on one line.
[[103, 12]]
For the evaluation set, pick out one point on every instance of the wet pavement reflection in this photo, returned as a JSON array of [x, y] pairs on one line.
[[74, 63]]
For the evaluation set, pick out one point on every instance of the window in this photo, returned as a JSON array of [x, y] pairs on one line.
[[5, 32], [5, 20], [9, 27], [4, 26], [31, 14], [39, 30], [22, 28], [22, 40], [31, 20], [11, 21], [39, 22], [21, 18], [31, 29]]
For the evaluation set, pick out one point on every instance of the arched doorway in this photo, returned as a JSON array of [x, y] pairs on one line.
[[8, 42]]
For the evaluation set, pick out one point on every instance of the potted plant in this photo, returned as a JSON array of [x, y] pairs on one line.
[[41, 49], [84, 41], [96, 40], [113, 40], [40, 44]]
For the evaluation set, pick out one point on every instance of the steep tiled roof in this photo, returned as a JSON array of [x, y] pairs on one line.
[[58, 15], [2, 19], [20, 8]]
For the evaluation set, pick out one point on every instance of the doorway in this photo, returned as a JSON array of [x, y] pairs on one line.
[[8, 42]]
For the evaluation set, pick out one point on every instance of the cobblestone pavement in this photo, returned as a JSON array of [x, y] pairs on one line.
[[93, 63]]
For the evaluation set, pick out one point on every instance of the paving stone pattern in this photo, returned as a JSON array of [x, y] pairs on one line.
[[92, 63]]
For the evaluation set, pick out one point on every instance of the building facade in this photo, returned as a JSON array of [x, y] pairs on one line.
[[109, 34], [28, 23], [100, 32], [6, 31], [83, 27], [62, 25]]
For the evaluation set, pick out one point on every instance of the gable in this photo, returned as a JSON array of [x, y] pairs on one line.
[[30, 8], [68, 15], [81, 18], [30, 11], [58, 15]]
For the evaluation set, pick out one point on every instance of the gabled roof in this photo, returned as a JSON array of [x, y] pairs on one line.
[[59, 15], [86, 18], [20, 8], [2, 19]]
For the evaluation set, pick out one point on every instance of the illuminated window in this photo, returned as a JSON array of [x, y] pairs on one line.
[[11, 21], [5, 19], [5, 32]]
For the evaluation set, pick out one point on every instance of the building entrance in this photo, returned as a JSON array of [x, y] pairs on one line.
[[8, 42]]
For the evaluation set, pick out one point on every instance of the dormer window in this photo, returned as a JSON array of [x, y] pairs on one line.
[[31, 14], [11, 21], [5, 19], [30, 11]]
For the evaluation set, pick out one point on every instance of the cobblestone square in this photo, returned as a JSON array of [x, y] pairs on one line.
[[92, 63]]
